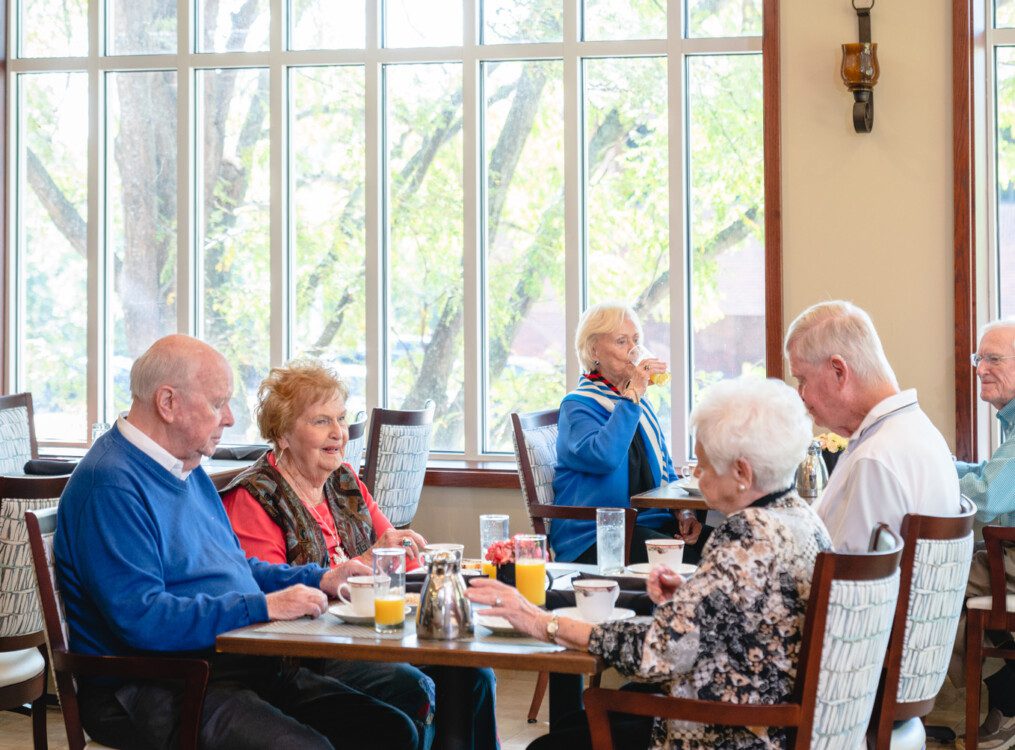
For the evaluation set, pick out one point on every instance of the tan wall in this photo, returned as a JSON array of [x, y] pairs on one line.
[[869, 217], [865, 217]]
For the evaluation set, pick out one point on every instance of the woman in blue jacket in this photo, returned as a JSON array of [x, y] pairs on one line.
[[609, 443]]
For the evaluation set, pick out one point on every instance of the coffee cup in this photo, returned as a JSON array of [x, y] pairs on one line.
[[595, 598], [669, 552], [358, 593]]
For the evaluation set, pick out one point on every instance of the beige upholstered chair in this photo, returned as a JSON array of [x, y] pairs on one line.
[[67, 665], [357, 441], [396, 455], [17, 433], [846, 629], [933, 576]]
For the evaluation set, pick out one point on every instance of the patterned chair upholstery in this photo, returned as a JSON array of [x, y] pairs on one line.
[[933, 577], [397, 452], [17, 433], [22, 639], [535, 442], [846, 630], [357, 442], [41, 527]]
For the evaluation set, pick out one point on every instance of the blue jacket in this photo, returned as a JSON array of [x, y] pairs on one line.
[[147, 562], [592, 448]]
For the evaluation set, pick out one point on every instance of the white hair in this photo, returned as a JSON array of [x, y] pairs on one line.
[[1008, 322], [761, 421], [840, 328], [606, 317], [172, 360]]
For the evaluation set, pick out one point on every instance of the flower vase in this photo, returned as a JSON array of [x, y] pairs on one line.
[[506, 573]]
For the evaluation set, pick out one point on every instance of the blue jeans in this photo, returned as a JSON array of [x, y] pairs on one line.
[[418, 691]]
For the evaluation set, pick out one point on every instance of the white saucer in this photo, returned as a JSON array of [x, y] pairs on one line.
[[498, 625], [643, 569], [618, 613], [689, 485], [344, 612]]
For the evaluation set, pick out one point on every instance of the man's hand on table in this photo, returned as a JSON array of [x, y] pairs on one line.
[[335, 577], [296, 601], [662, 584]]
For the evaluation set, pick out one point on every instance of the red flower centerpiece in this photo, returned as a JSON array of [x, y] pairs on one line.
[[502, 555]]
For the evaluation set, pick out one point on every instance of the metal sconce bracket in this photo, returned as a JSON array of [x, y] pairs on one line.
[[860, 71]]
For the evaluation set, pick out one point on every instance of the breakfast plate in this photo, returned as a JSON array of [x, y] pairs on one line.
[[689, 485], [498, 625], [618, 613], [344, 612]]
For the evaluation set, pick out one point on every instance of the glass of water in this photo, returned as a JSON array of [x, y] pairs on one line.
[[493, 527], [610, 540]]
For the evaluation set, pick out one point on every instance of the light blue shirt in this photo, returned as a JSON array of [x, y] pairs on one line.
[[991, 484]]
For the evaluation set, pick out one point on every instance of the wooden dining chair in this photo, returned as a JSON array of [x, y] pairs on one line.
[[22, 637], [845, 638], [17, 433], [932, 584], [397, 450], [983, 613], [68, 665], [357, 441], [535, 443]]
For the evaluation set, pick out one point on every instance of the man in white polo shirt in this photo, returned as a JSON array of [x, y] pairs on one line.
[[897, 462]]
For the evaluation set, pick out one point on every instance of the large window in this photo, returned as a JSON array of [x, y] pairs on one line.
[[423, 193]]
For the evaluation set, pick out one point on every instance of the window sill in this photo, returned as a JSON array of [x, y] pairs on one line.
[[476, 474]]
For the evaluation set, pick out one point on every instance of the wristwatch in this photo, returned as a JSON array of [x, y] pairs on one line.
[[551, 628]]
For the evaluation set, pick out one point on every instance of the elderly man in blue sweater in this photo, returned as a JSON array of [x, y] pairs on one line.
[[148, 562]]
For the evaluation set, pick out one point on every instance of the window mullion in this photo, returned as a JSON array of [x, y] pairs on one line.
[[376, 285], [574, 197], [473, 243]]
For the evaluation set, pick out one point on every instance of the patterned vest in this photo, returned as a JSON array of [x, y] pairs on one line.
[[304, 539]]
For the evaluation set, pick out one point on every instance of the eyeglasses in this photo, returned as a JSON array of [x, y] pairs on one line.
[[992, 360]]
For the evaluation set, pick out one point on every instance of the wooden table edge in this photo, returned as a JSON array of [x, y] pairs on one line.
[[436, 653]]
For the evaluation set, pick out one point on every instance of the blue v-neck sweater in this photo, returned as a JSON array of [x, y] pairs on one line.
[[147, 562]]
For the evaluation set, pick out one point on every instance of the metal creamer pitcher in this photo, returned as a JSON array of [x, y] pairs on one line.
[[444, 613], [812, 474]]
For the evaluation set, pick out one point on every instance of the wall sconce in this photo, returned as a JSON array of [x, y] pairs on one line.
[[860, 71]]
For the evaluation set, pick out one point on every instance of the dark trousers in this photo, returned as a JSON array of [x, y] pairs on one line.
[[418, 691], [692, 553], [251, 702], [571, 732]]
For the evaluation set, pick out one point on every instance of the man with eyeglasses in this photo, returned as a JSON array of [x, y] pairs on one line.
[[991, 485]]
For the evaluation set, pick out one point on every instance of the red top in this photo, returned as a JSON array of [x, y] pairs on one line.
[[262, 538]]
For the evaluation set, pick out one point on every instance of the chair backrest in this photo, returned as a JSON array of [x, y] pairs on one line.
[[41, 528], [17, 433], [397, 451], [19, 602], [846, 629], [357, 441], [932, 584], [535, 441]]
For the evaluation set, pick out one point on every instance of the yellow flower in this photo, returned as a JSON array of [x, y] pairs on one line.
[[832, 443]]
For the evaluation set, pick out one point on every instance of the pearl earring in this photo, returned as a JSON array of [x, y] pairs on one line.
[[741, 487]]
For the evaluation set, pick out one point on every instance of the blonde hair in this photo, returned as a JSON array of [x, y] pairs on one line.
[[606, 317], [289, 390], [840, 328]]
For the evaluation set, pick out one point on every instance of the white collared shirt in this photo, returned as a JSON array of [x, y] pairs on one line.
[[150, 448], [896, 463]]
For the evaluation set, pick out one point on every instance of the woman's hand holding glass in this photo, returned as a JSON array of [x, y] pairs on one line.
[[662, 584], [655, 370]]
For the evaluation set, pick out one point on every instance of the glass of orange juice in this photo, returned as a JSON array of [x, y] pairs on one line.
[[493, 527], [530, 567], [389, 589], [639, 354]]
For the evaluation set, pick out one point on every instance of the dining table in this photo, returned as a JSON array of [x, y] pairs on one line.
[[668, 497], [329, 637]]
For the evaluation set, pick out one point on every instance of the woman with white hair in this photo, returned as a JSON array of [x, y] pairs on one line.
[[731, 632], [609, 442]]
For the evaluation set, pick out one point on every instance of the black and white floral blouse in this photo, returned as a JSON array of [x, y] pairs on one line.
[[732, 632]]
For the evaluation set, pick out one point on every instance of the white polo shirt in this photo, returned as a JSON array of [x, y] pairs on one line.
[[896, 463]]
